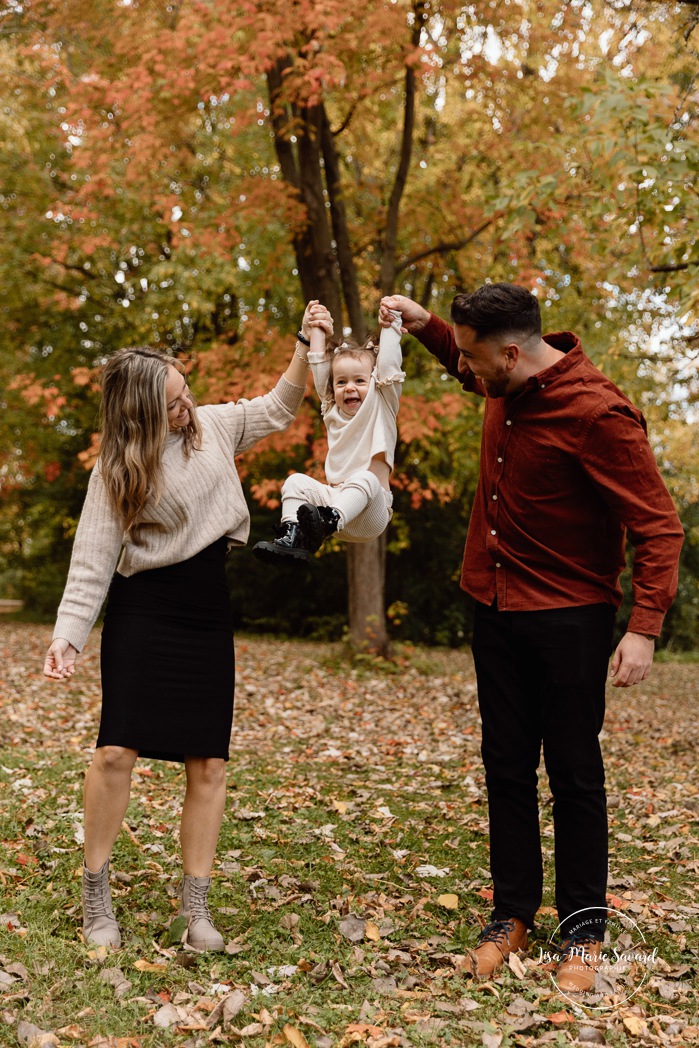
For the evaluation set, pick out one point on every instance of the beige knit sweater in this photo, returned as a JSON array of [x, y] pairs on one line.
[[201, 500]]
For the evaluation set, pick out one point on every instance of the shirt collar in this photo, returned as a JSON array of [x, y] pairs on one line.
[[566, 342]]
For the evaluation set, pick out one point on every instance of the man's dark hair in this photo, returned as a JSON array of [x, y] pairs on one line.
[[498, 309]]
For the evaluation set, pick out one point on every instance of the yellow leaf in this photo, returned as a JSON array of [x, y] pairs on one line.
[[516, 966], [635, 1025], [341, 807], [449, 902], [147, 966], [371, 931], [295, 1037]]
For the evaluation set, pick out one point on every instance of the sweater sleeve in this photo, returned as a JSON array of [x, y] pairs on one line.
[[98, 542], [320, 369], [389, 373], [272, 413]]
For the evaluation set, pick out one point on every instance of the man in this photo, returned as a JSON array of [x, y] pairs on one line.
[[566, 469]]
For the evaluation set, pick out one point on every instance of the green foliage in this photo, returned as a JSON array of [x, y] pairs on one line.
[[157, 184]]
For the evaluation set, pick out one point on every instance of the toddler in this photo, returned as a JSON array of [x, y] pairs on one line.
[[359, 385]]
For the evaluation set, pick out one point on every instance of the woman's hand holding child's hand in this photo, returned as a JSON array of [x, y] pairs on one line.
[[318, 316]]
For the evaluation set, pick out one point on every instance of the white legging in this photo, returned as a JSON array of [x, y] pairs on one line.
[[365, 507]]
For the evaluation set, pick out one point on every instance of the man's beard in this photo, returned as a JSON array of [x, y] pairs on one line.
[[498, 386]]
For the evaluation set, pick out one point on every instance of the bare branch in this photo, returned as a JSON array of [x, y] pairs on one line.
[[676, 268], [74, 269], [445, 247]]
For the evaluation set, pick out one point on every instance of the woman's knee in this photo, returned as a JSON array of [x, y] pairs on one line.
[[205, 772], [114, 759]]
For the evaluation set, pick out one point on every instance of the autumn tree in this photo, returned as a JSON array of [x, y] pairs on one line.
[[186, 168]]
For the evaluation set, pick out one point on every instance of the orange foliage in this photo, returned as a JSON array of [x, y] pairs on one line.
[[266, 492], [419, 418], [33, 394], [88, 457], [421, 491], [87, 377]]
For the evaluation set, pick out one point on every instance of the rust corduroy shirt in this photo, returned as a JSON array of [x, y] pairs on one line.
[[566, 469]]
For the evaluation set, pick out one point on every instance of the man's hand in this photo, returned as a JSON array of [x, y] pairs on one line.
[[415, 317], [632, 660], [60, 660]]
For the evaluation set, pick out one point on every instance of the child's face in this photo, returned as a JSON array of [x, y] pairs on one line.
[[351, 377]]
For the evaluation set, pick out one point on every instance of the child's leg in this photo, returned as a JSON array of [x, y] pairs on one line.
[[299, 488], [364, 506]]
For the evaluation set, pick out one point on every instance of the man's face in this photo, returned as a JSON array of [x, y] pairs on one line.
[[486, 358]]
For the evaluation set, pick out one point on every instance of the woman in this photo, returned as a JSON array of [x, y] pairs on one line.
[[163, 505]]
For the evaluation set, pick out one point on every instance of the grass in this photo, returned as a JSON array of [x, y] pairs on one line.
[[347, 779]]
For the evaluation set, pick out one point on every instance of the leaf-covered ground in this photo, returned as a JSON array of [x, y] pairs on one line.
[[352, 872]]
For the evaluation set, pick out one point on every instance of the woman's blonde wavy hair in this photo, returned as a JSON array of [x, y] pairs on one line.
[[135, 429]]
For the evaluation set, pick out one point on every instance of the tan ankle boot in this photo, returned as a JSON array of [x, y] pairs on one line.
[[99, 925], [576, 972], [201, 933], [495, 943]]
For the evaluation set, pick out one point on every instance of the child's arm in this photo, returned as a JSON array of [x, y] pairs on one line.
[[320, 364], [389, 372], [318, 321]]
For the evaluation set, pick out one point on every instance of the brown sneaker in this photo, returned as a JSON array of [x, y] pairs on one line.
[[495, 943], [581, 959]]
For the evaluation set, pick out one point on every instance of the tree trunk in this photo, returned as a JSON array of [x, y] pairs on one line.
[[312, 167], [366, 561], [301, 168], [319, 254], [345, 258], [366, 573]]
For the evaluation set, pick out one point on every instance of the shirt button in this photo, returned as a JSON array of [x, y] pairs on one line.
[[497, 565], [495, 498], [493, 533], [509, 422], [499, 460], [542, 386]]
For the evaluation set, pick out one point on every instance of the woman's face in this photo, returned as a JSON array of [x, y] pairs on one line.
[[179, 402]]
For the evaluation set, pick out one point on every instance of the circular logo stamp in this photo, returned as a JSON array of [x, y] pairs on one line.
[[611, 944]]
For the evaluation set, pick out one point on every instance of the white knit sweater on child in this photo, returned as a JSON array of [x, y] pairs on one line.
[[354, 441], [201, 500]]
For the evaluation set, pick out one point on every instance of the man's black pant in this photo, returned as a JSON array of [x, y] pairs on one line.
[[541, 679]]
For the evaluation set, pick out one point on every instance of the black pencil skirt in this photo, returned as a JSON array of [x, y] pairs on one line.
[[168, 665]]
